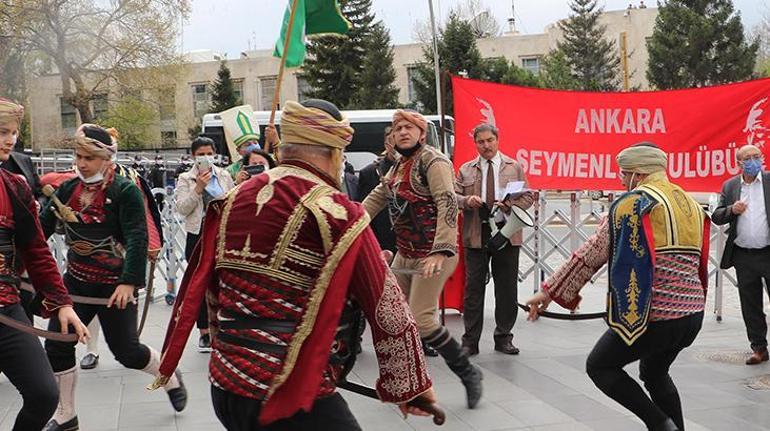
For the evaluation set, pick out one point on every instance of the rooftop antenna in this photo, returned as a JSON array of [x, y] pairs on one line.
[[512, 18]]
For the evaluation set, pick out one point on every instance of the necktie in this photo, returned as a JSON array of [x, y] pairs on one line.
[[490, 198]]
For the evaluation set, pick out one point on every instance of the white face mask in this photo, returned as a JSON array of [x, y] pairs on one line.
[[93, 179]]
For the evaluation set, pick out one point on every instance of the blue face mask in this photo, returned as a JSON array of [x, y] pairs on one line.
[[752, 167]]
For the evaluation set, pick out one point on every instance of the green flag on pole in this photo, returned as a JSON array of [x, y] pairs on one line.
[[312, 17]]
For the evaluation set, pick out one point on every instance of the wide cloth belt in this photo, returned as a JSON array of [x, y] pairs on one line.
[[240, 322]]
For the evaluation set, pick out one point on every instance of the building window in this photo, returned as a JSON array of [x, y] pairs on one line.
[[168, 138], [411, 77], [100, 106], [531, 64], [267, 92], [201, 100], [238, 91], [303, 88], [69, 116]]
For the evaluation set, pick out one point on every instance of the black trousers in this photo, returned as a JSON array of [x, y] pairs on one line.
[[751, 267], [656, 350], [118, 326], [239, 413], [505, 272], [189, 246], [23, 361]]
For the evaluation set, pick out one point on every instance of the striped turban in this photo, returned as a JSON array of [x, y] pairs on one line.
[[413, 117], [95, 140], [10, 111], [643, 158], [313, 126]]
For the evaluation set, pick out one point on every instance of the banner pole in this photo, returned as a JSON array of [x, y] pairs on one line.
[[436, 66], [282, 68]]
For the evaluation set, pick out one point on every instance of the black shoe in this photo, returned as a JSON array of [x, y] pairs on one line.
[[429, 351], [507, 347], [89, 361], [70, 425], [471, 350], [178, 396], [668, 425], [204, 343], [472, 382]]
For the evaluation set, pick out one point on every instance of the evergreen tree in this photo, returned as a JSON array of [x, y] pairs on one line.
[[556, 73], [592, 59], [335, 63], [458, 53], [698, 43], [223, 94], [376, 89]]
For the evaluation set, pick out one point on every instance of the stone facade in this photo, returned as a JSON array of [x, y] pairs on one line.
[[255, 73]]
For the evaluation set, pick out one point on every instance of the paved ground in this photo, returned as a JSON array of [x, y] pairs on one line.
[[544, 388]]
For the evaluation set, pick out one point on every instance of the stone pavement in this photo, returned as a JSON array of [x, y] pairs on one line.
[[544, 388]]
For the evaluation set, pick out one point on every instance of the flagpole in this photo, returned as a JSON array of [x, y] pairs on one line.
[[287, 37], [440, 109], [436, 66]]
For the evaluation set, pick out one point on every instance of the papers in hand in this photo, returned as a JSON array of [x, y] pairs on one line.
[[513, 190]]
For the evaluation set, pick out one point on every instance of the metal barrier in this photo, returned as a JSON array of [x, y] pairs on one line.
[[552, 240], [556, 235]]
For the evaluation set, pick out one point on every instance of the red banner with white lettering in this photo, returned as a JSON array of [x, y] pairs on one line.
[[568, 140]]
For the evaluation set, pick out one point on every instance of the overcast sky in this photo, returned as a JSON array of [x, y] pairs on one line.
[[232, 26]]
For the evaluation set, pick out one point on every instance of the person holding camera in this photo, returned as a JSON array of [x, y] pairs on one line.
[[253, 163], [195, 188]]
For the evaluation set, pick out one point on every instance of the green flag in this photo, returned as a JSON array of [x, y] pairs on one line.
[[312, 17]]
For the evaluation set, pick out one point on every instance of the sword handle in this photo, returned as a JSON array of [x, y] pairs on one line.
[[439, 416], [65, 212]]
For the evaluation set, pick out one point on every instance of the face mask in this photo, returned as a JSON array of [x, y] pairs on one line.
[[407, 152], [752, 167], [93, 179]]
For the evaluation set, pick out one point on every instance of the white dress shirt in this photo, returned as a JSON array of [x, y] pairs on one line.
[[753, 230]]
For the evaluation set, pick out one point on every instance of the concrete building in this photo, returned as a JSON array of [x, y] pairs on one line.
[[182, 101]]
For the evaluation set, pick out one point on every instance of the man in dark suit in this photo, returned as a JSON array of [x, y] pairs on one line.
[[369, 177], [745, 204]]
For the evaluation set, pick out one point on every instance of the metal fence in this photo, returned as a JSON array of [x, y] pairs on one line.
[[557, 233]]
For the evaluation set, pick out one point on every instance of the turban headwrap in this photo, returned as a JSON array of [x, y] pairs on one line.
[[95, 140], [642, 159], [10, 111], [411, 116], [313, 126]]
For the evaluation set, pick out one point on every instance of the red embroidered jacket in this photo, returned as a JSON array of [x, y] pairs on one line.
[[289, 247], [18, 216]]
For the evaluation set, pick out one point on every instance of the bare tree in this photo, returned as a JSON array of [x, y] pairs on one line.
[[761, 32], [96, 44], [480, 18]]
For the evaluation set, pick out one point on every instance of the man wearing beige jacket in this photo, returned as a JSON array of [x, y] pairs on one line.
[[478, 185], [195, 188]]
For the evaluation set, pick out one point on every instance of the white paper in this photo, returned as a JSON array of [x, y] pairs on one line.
[[513, 188]]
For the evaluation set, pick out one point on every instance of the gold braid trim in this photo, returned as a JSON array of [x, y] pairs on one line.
[[314, 304]]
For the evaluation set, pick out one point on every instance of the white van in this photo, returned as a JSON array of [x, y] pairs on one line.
[[369, 126]]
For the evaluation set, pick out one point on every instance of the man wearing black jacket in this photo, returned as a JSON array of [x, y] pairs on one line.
[[368, 178]]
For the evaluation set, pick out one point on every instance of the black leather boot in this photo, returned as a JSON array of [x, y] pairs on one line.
[[668, 425], [458, 362], [70, 425]]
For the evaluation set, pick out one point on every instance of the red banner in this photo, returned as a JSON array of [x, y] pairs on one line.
[[568, 140]]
